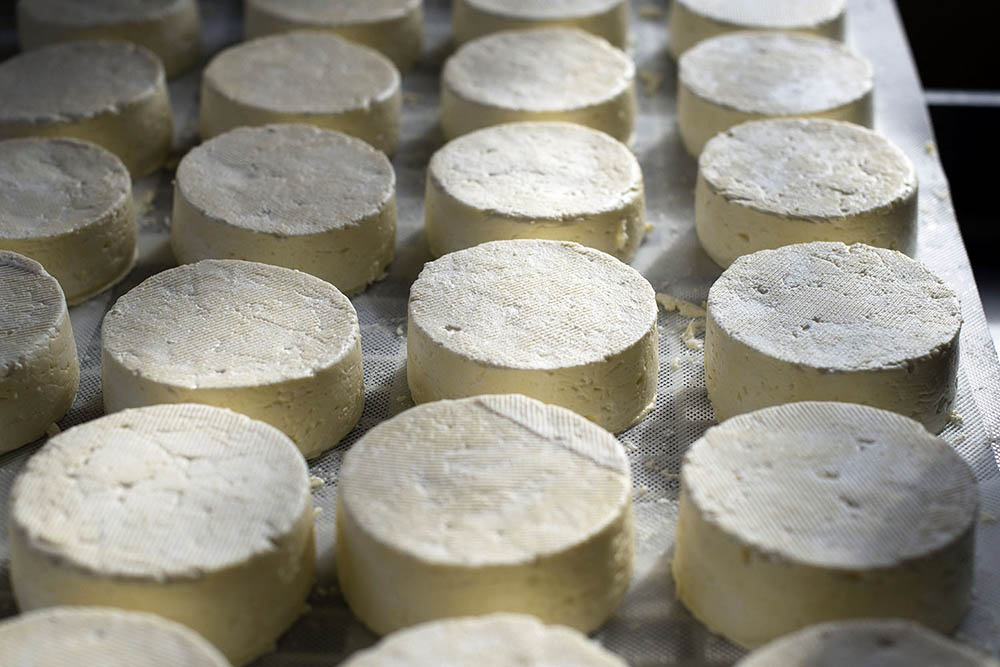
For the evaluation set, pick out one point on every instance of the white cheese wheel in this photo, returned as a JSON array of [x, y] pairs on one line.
[[811, 512], [471, 19], [495, 640], [769, 183], [111, 93], [541, 74], [62, 636], [303, 77], [291, 195], [168, 28], [461, 508], [68, 205], [554, 320], [275, 344], [824, 321], [39, 369], [393, 27], [550, 180], [198, 514], [744, 76], [866, 643], [692, 21]]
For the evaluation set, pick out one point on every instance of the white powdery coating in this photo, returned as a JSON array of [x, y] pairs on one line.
[[787, 14], [73, 13], [543, 9], [340, 13], [31, 308], [85, 500]]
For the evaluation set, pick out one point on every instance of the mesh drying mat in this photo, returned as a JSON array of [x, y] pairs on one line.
[[651, 627]]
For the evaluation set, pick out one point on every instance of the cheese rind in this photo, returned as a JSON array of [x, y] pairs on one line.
[[734, 78], [554, 320], [552, 180], [168, 28], [823, 511], [495, 640], [829, 322], [68, 205], [111, 93], [537, 75], [39, 369], [303, 77], [290, 195], [765, 184], [693, 21], [393, 27], [609, 19], [468, 507], [60, 636], [275, 344], [866, 643]]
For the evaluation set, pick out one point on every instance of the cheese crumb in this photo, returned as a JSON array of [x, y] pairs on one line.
[[399, 331], [930, 148], [649, 226], [690, 335], [685, 308], [955, 418], [315, 482], [675, 364]]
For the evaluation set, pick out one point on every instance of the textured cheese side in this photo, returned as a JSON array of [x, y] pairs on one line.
[[161, 509], [540, 74], [765, 184], [39, 369], [823, 511], [552, 180], [827, 321], [467, 507], [295, 196], [471, 19], [554, 320], [272, 343], [303, 77], [68, 205], [495, 640], [62, 636]]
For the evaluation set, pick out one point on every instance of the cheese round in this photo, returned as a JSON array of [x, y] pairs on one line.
[[303, 77], [825, 321], [866, 643], [495, 640], [393, 27], [39, 369], [462, 508], [291, 195], [811, 512], [111, 93], [198, 514], [61, 636], [744, 76], [547, 180], [68, 205], [609, 19], [554, 320], [275, 344], [168, 28], [541, 74], [692, 21], [769, 183]]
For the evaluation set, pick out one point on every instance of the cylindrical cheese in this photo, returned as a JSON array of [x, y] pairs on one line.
[[393, 27], [68, 205], [552, 180], [169, 28], [769, 183], [554, 320], [275, 344], [198, 514], [291, 195], [462, 508], [825, 321], [471, 19], [39, 369], [744, 76], [303, 77], [109, 92], [541, 74], [812, 512]]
